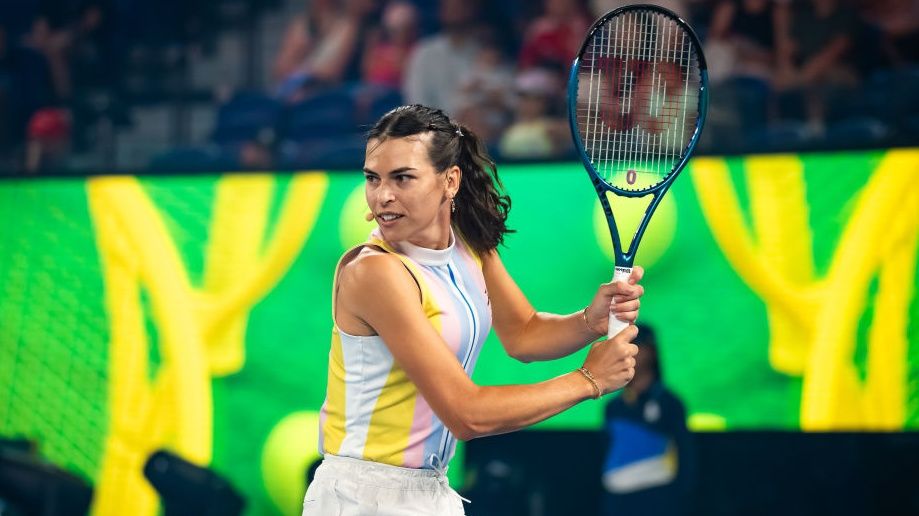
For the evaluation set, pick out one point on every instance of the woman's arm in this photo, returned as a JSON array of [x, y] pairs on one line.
[[336, 50], [528, 335], [295, 47], [378, 291], [720, 27], [829, 56], [784, 46]]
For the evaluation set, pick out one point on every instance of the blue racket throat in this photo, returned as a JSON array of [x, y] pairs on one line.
[[637, 102]]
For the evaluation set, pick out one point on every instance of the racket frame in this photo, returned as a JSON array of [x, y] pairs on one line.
[[625, 260]]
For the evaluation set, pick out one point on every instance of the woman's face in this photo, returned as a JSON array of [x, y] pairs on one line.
[[409, 200]]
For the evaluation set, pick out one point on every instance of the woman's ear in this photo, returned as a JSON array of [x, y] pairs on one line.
[[453, 176]]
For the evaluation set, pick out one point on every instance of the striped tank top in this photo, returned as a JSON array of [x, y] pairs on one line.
[[372, 410]]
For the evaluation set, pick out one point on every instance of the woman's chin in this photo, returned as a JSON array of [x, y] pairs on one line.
[[390, 234]]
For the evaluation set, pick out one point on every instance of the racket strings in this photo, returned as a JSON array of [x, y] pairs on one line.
[[637, 103]]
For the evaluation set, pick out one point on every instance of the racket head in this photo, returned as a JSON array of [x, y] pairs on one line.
[[637, 99]]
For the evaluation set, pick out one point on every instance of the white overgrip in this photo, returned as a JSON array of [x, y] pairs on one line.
[[615, 325]]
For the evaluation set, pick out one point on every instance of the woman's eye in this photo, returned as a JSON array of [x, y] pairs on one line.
[[371, 179]]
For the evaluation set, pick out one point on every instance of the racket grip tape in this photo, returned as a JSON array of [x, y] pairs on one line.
[[615, 325]]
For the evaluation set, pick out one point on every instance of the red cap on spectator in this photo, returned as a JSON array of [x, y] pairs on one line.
[[49, 124]]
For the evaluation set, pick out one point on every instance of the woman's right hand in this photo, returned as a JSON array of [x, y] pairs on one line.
[[612, 361]]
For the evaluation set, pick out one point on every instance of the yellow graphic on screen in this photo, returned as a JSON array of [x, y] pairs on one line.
[[813, 321], [200, 330]]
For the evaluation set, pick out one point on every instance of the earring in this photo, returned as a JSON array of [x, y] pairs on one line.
[[452, 205]]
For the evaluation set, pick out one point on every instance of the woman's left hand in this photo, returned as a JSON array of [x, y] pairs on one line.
[[618, 299]]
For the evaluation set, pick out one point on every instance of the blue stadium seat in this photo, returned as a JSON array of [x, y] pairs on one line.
[[750, 95], [893, 93], [843, 103], [342, 152], [383, 103], [857, 132], [247, 116], [193, 159], [911, 129], [372, 101], [906, 93], [780, 136], [326, 113]]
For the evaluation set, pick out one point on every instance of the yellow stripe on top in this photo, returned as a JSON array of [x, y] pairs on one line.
[[333, 430], [390, 425], [334, 434]]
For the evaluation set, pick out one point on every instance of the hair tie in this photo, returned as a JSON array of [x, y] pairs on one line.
[[459, 132]]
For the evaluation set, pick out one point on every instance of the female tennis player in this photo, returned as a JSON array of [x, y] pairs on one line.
[[411, 310]]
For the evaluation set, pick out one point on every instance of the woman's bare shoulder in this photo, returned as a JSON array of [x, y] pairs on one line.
[[371, 267]]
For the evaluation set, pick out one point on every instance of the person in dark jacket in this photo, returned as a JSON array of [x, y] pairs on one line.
[[649, 462]]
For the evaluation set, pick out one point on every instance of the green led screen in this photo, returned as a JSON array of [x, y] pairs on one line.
[[193, 312]]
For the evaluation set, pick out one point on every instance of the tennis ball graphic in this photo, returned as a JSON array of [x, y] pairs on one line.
[[628, 213], [707, 422], [289, 451], [354, 226]]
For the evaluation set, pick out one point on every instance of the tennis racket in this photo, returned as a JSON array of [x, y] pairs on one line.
[[637, 97]]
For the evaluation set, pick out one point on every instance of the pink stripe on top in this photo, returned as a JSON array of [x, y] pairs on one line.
[[449, 323], [422, 427]]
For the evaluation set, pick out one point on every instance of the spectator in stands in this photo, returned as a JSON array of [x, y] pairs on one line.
[[323, 47], [898, 23], [439, 63], [740, 51], [554, 38], [650, 460], [93, 58], [537, 131], [485, 100], [389, 47], [812, 41], [741, 39], [601, 7], [256, 155], [96, 65], [25, 86], [48, 140], [52, 35]]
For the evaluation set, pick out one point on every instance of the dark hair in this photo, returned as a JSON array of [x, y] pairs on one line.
[[647, 341], [481, 207]]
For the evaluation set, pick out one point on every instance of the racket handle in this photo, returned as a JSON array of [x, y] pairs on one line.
[[615, 325]]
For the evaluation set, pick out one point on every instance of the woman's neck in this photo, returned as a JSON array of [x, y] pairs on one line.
[[439, 238], [438, 235]]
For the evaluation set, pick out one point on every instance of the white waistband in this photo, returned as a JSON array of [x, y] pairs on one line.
[[386, 475], [378, 467]]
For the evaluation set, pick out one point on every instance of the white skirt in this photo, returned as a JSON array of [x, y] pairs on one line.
[[344, 486]]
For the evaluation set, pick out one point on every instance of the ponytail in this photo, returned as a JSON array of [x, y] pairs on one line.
[[481, 213], [481, 207]]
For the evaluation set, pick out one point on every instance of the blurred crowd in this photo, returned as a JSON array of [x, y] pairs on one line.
[[785, 74], [71, 71]]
